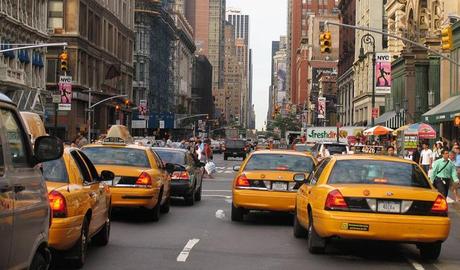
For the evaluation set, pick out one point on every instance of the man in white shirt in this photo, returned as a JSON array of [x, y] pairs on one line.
[[426, 157]]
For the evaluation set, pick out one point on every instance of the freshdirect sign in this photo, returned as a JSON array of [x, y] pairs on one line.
[[350, 135]]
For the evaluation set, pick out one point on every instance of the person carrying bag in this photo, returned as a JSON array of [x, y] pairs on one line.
[[442, 173]]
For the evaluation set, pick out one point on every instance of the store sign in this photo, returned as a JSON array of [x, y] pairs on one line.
[[321, 107], [350, 135], [65, 91], [383, 73]]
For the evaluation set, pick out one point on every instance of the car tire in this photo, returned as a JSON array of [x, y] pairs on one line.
[[299, 231], [316, 244], [103, 236], [237, 213], [244, 157], [166, 206], [198, 193], [154, 213], [430, 252], [225, 157], [81, 247], [39, 262]]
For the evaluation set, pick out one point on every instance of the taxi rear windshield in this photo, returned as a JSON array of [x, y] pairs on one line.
[[235, 144], [55, 171], [377, 172], [279, 162], [117, 156]]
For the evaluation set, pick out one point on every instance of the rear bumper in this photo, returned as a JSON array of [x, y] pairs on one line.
[[181, 188], [234, 154], [264, 200], [65, 232], [134, 197], [410, 229]]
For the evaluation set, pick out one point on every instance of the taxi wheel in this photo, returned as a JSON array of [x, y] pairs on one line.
[[39, 262], [190, 198], [103, 236], [237, 213], [430, 252], [316, 244], [166, 206], [299, 231], [82, 246], [154, 214]]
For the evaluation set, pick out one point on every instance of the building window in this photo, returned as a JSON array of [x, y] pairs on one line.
[[56, 14]]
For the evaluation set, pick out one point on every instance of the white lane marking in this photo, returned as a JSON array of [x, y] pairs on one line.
[[216, 190], [218, 196], [183, 255], [228, 171], [220, 214], [228, 200], [449, 200], [415, 264]]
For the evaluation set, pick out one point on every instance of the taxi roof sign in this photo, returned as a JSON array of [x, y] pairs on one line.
[[118, 134]]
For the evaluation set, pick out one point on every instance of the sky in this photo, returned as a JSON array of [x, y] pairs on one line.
[[267, 22]]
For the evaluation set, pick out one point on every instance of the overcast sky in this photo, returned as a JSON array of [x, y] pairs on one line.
[[267, 22]]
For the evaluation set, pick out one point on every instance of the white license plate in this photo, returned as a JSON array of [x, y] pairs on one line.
[[235, 153], [279, 186], [389, 207]]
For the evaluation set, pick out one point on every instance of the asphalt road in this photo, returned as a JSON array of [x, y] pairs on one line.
[[203, 237]]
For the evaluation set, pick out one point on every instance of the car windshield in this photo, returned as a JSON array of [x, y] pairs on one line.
[[280, 162], [377, 172], [235, 144], [302, 148], [336, 148], [55, 171], [117, 156], [174, 157]]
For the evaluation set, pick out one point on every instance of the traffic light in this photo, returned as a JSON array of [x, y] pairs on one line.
[[446, 38], [64, 59], [117, 108], [325, 42]]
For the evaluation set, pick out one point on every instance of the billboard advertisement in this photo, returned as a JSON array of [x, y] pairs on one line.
[[383, 73], [321, 107], [65, 91], [281, 82], [350, 135]]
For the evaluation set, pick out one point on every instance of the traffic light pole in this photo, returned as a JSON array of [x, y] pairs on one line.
[[373, 30], [33, 46]]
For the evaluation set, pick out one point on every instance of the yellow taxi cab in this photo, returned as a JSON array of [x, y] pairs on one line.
[[141, 179], [80, 204], [370, 197], [265, 181]]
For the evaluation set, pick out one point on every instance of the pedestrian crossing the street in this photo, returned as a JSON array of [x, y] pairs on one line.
[[227, 170]]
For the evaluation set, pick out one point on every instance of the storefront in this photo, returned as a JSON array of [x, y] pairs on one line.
[[443, 115]]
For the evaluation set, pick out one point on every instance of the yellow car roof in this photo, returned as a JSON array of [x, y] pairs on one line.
[[278, 151], [130, 146], [370, 157]]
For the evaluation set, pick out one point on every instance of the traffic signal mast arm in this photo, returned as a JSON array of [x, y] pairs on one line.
[[33, 46], [373, 30]]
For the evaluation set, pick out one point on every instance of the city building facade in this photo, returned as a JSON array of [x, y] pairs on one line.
[[345, 69], [202, 98], [22, 73], [100, 37]]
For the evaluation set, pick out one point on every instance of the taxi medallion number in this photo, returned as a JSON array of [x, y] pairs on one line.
[[282, 186], [389, 207]]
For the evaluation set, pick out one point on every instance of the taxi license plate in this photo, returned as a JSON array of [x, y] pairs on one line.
[[235, 153], [279, 186], [389, 207]]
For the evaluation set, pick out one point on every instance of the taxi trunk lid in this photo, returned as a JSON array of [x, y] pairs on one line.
[[124, 175]]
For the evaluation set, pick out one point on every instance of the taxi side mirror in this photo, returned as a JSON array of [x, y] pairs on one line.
[[299, 178], [48, 148], [170, 168], [107, 176]]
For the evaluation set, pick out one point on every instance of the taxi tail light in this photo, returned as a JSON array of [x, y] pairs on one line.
[[439, 205], [144, 180], [335, 200], [57, 204], [180, 175], [242, 181]]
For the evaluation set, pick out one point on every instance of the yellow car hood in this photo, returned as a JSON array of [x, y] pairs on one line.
[[386, 191]]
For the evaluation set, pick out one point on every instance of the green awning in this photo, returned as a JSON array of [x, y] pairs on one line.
[[444, 112]]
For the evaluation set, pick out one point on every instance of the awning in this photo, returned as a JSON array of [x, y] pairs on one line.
[[390, 119], [444, 112]]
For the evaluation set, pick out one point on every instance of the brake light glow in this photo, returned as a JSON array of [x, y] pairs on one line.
[[440, 205], [184, 175], [242, 181], [144, 180], [57, 204], [335, 200]]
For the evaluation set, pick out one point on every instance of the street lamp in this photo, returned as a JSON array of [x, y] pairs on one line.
[[398, 112], [369, 39], [430, 99]]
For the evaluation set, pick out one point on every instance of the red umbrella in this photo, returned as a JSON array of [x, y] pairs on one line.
[[422, 130]]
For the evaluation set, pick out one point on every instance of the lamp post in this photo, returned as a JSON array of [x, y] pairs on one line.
[[398, 113], [370, 40]]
